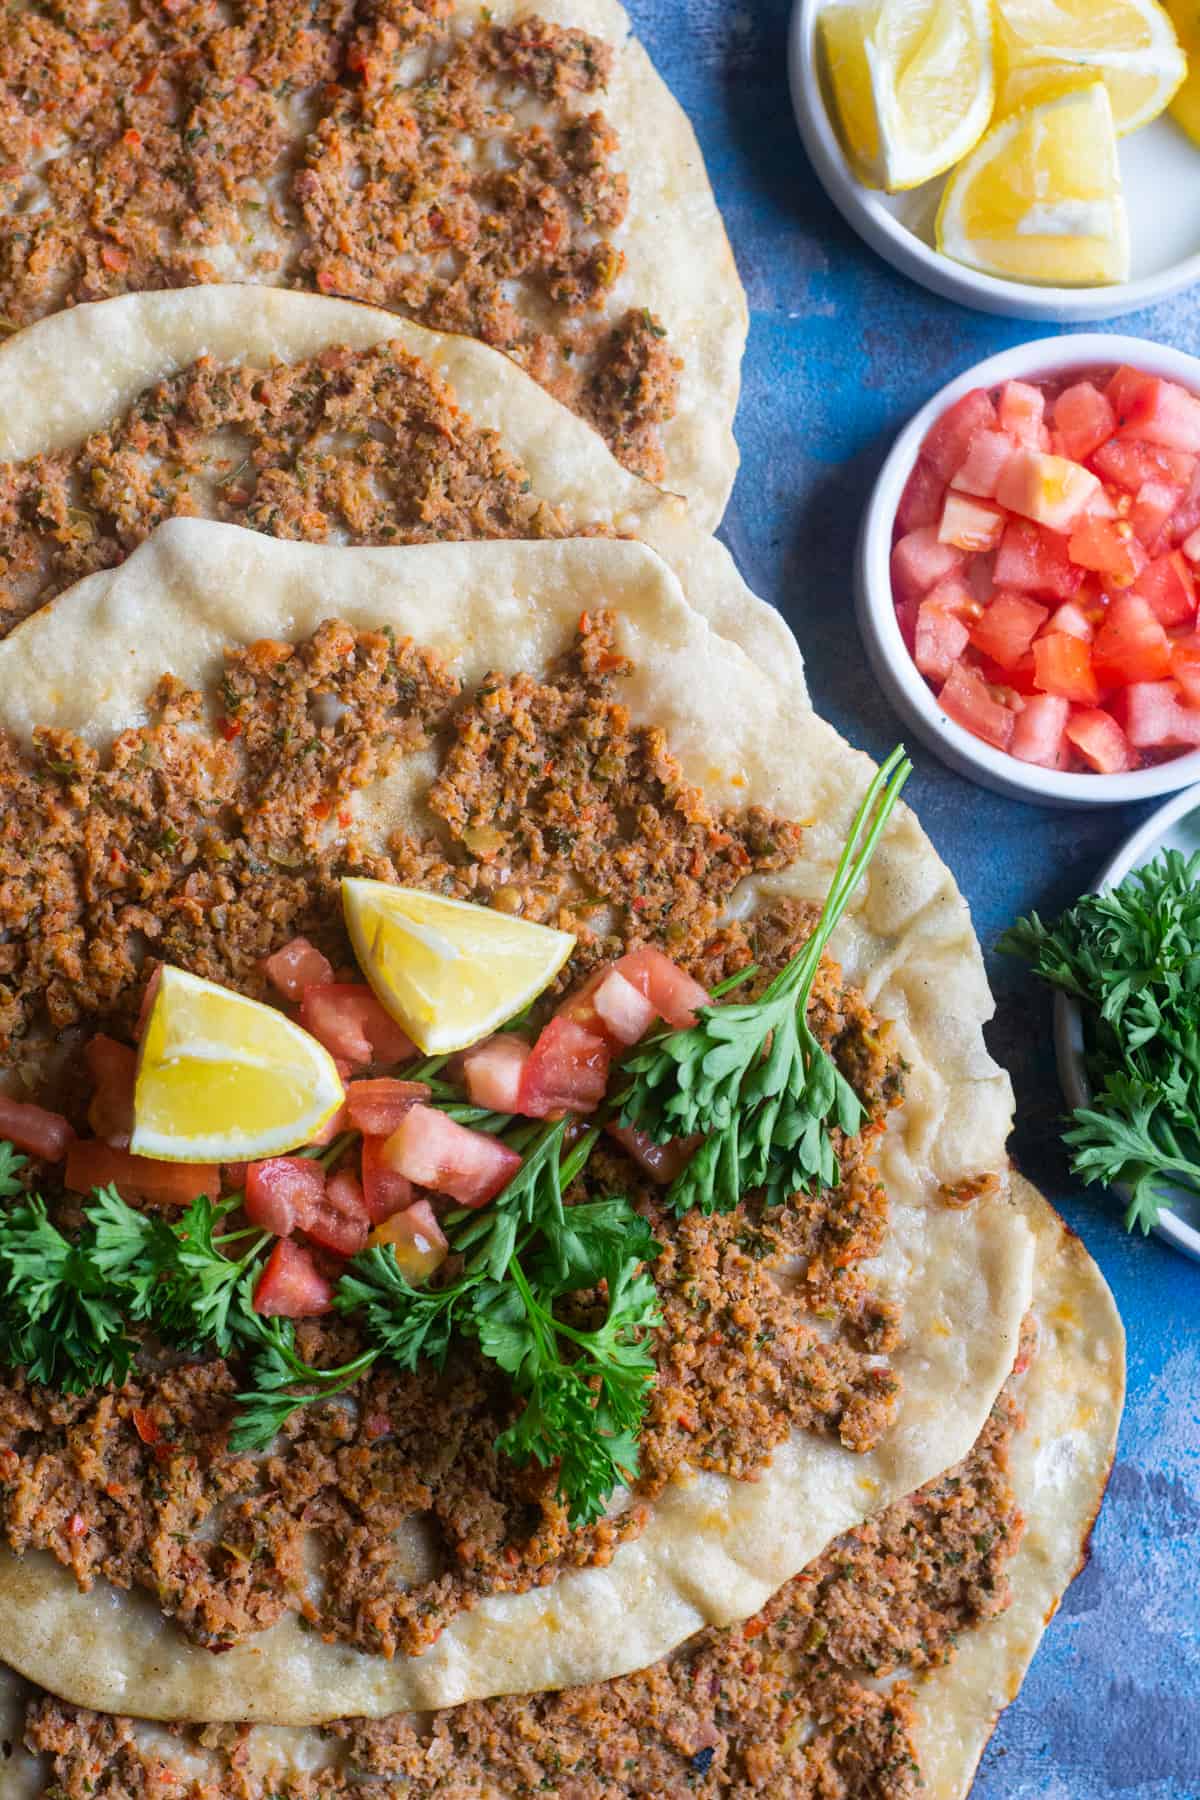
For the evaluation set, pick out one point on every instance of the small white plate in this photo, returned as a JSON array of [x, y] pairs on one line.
[[1161, 171], [1175, 826]]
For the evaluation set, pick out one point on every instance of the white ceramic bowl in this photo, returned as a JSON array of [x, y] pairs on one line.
[[894, 667], [1156, 161], [1175, 826]]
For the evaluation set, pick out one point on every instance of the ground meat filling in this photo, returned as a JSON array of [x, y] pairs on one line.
[[367, 148], [783, 1705], [357, 447], [211, 847]]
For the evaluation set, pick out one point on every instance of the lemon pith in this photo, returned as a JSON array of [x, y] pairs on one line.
[[449, 971], [1130, 44], [222, 1078]]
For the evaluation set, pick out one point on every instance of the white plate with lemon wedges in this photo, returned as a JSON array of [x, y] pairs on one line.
[[1035, 158]]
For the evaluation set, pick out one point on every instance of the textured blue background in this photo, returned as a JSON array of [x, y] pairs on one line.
[[842, 351]]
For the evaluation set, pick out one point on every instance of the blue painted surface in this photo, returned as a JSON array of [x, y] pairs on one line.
[[842, 351]]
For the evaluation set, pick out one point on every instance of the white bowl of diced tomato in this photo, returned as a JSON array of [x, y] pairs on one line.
[[1029, 571]]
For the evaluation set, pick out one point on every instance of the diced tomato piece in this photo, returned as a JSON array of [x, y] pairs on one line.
[[1036, 562], [336, 1122], [1038, 732], [919, 562], [1186, 520], [1185, 667], [91, 1164], [1131, 645], [1063, 665], [1161, 412], [1156, 719], [947, 445], [346, 1017], [970, 524], [921, 501], [1071, 618], [417, 1240], [1129, 465], [1110, 548], [661, 1162], [940, 641], [1008, 627], [567, 1071], [671, 991], [376, 1107], [1103, 506], [113, 1068], [291, 1286], [625, 1014], [436, 1152], [965, 699], [341, 1222], [283, 1193], [492, 1071], [1022, 412], [1047, 489], [35, 1130], [1084, 419], [1122, 389], [1099, 740], [1170, 587], [385, 1190], [1191, 547], [953, 596], [1153, 509], [988, 455], [1017, 680], [906, 618], [297, 966]]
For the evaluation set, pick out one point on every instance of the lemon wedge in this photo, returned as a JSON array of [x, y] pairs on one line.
[[221, 1078], [1130, 44], [449, 971], [1040, 198], [1185, 108], [912, 83]]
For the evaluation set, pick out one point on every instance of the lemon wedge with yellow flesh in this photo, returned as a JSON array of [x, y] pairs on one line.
[[1130, 44], [449, 971], [912, 83], [1040, 199], [1185, 108], [221, 1078]]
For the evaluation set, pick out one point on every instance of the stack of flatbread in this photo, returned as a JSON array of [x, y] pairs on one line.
[[420, 316]]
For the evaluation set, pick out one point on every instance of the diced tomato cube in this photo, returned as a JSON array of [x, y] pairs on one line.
[[1022, 412], [625, 1014], [376, 1107], [35, 1130], [906, 618], [1153, 508], [662, 1162], [988, 455], [1110, 548], [1036, 562], [1156, 719], [921, 501], [341, 1222], [953, 596], [1084, 419], [1129, 464], [940, 641], [970, 524], [672, 992], [966, 700], [1099, 740], [1131, 645], [1170, 587], [385, 1190], [1038, 732], [346, 1017], [291, 1286], [297, 966], [1161, 412], [113, 1069], [283, 1192], [1122, 389], [567, 1071], [946, 447], [1063, 665], [919, 562], [1071, 618], [1047, 489], [1186, 519], [91, 1164], [434, 1151], [492, 1071], [1185, 667], [1191, 547], [1008, 627], [417, 1240]]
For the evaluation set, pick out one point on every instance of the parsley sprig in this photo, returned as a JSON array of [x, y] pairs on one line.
[[751, 1078], [1131, 956]]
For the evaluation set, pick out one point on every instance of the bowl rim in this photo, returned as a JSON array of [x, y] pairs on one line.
[[1033, 360], [898, 245]]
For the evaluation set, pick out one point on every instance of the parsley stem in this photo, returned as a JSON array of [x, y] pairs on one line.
[[733, 981]]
